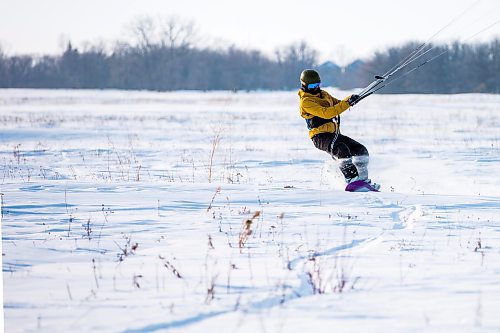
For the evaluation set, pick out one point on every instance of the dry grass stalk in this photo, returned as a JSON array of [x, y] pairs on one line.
[[215, 142], [210, 244], [217, 191], [211, 290], [135, 281], [168, 265], [247, 229], [129, 248]]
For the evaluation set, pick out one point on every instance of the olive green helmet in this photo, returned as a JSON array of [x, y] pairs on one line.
[[309, 76]]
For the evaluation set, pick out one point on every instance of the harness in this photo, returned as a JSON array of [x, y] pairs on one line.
[[315, 122]]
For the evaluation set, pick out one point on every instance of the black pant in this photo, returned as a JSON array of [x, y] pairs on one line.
[[343, 149]]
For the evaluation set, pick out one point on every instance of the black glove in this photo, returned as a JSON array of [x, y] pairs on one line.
[[353, 100]]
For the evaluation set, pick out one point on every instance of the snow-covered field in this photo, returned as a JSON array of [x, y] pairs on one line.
[[126, 211]]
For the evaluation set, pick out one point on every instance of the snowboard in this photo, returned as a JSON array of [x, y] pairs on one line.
[[361, 186]]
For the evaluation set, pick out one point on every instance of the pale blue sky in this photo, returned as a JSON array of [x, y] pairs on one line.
[[339, 30]]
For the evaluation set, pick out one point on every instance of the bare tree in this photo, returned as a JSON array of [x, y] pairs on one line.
[[177, 33], [293, 59], [299, 53], [143, 30]]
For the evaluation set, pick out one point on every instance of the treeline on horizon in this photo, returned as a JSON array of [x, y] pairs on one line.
[[166, 57]]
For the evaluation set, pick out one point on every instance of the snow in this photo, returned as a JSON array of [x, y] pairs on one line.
[[123, 212]]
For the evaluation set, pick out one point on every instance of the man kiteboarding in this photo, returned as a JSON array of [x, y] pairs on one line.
[[322, 114]]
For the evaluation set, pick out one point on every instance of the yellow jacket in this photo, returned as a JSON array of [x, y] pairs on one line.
[[324, 106]]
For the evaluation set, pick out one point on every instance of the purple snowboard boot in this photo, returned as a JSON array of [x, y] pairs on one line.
[[362, 186]]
